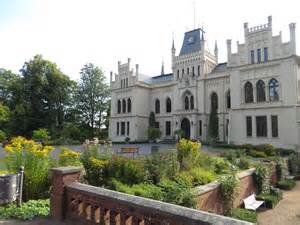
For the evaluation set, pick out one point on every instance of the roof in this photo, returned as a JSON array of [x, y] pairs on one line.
[[192, 41], [221, 67], [159, 78]]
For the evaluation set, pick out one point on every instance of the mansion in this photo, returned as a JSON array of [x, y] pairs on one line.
[[256, 93]]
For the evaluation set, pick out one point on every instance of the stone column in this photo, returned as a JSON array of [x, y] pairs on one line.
[[62, 176]]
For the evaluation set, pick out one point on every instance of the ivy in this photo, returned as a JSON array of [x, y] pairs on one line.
[[262, 179], [229, 191]]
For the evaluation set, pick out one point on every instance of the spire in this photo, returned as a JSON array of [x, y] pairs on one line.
[[162, 68], [216, 50], [173, 45]]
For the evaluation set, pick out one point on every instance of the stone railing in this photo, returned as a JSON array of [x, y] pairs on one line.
[[77, 203]]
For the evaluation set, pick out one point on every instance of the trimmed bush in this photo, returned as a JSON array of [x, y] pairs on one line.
[[270, 200], [286, 184], [244, 214], [198, 176], [257, 154]]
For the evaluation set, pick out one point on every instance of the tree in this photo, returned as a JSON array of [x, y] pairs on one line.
[[92, 96], [7, 81], [213, 126], [152, 120]]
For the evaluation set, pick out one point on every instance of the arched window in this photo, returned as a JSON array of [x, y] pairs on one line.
[[129, 105], [119, 106], [192, 101], [186, 103], [248, 92], [199, 70], [157, 106], [214, 102], [260, 91], [274, 90], [177, 74], [124, 106], [228, 100], [168, 105]]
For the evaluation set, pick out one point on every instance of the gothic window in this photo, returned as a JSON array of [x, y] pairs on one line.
[[168, 105], [188, 71], [168, 128], [252, 57], [274, 90], [177, 74], [200, 127], [124, 106], [266, 54], [118, 128], [128, 127], [122, 128], [126, 82], [260, 91], [157, 106], [228, 100], [192, 102], [186, 103], [248, 92], [129, 105], [193, 71], [258, 55], [274, 123], [249, 126], [214, 102], [261, 126], [156, 125], [119, 106], [199, 70], [182, 72]]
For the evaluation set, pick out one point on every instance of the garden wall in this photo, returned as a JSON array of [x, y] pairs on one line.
[[77, 203], [209, 196]]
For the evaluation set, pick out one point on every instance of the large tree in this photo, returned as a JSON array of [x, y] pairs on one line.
[[92, 96], [7, 82]]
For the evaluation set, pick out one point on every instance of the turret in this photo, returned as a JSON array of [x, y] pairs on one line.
[[173, 51], [228, 42], [162, 68], [137, 71], [216, 51], [292, 27]]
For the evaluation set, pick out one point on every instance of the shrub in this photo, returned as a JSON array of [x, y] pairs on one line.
[[198, 176], [229, 190], [68, 157], [188, 153], [179, 132], [257, 154], [3, 136], [162, 164], [71, 132], [244, 214], [279, 169], [270, 200], [95, 171], [153, 133], [28, 210], [244, 163], [268, 149], [222, 166], [247, 146], [286, 184], [36, 160], [285, 152], [41, 134], [262, 178], [293, 164], [297, 177]]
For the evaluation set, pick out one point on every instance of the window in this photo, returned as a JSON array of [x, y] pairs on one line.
[[126, 82], [177, 74], [156, 125], [192, 102], [249, 126], [122, 128], [260, 91], [248, 92], [119, 106], [214, 102], [129, 105], [228, 100], [274, 123], [128, 128], [193, 71], [261, 126], [266, 55], [121, 83], [118, 128], [188, 71], [124, 106], [226, 128], [157, 106], [274, 90], [199, 70], [252, 57], [258, 55], [200, 127], [186, 103], [168, 105], [168, 128], [182, 72]]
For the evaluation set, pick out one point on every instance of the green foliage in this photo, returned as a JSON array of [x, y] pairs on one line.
[[179, 132], [229, 190], [244, 163], [213, 126], [71, 131], [162, 164], [257, 154], [2, 136], [268, 149], [41, 134], [28, 211], [153, 133], [4, 114], [271, 200], [222, 166], [262, 178], [294, 164], [188, 153], [152, 120], [287, 184], [285, 152], [279, 169], [68, 157], [244, 214], [198, 176]]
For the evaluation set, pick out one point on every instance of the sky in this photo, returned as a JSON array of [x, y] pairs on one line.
[[72, 33]]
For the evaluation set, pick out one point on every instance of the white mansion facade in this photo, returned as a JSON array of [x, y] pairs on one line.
[[256, 93]]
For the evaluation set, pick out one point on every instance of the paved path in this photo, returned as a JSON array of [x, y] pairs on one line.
[[287, 212], [34, 222]]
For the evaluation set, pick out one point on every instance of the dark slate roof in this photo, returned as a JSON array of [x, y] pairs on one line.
[[221, 67], [192, 41], [160, 78]]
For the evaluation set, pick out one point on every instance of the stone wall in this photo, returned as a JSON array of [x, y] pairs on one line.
[[77, 203]]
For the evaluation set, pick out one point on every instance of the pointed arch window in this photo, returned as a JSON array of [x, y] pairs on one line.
[[192, 101], [248, 92], [260, 91], [186, 103], [214, 102], [168, 105], [157, 106], [228, 100], [129, 105], [274, 90], [119, 106], [124, 106]]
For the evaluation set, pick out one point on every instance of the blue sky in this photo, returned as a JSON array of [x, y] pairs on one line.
[[74, 32]]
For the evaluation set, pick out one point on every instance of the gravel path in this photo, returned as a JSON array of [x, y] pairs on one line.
[[34, 222], [287, 212]]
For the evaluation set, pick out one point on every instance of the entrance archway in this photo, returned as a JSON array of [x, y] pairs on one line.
[[186, 127]]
